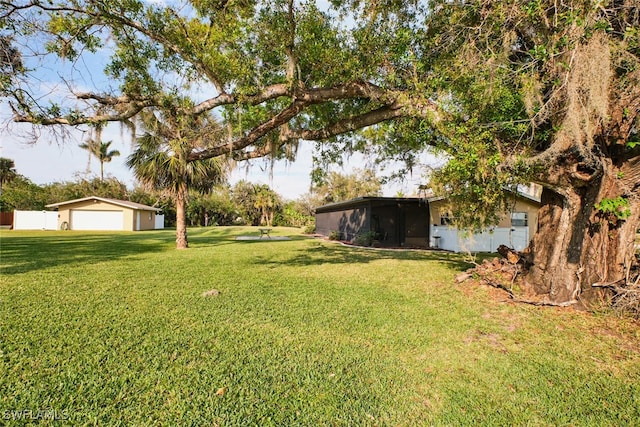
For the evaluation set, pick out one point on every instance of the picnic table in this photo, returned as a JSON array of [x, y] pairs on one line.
[[265, 232]]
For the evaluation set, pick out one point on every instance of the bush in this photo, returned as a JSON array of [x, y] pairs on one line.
[[364, 238], [334, 235]]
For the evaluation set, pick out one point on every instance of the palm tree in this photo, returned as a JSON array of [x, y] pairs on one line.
[[7, 170], [159, 160], [266, 201], [100, 150]]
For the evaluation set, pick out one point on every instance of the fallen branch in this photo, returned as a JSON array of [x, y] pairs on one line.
[[612, 285], [511, 255], [463, 277], [626, 296]]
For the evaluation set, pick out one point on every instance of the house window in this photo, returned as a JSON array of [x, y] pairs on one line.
[[519, 219], [446, 219]]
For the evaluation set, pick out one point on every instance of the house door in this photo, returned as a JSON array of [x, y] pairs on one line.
[[415, 226]]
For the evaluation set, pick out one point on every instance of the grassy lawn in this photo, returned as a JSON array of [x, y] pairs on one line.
[[112, 329]]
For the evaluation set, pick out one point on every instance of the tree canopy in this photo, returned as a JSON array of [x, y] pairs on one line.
[[337, 187], [278, 71], [7, 171]]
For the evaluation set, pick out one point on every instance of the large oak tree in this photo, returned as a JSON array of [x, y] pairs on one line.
[[550, 91], [512, 91]]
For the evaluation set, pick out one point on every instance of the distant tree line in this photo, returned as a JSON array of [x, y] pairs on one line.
[[243, 203]]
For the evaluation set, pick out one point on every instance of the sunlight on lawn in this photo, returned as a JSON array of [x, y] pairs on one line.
[[112, 329]]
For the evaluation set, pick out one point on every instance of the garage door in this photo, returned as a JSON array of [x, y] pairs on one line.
[[97, 220]]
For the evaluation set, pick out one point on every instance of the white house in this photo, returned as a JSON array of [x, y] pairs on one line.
[[514, 230]]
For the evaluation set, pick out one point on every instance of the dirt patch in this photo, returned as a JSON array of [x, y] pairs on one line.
[[211, 293]]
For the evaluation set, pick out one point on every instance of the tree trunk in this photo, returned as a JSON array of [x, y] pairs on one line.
[[181, 219], [577, 245]]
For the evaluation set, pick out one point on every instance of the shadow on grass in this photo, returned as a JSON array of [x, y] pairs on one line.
[[333, 254], [24, 253]]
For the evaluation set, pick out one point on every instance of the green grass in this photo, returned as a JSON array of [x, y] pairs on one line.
[[112, 329]]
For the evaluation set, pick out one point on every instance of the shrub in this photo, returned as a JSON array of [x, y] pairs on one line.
[[364, 238], [334, 235]]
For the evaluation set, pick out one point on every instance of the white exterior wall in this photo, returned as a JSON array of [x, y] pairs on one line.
[[35, 220], [454, 240]]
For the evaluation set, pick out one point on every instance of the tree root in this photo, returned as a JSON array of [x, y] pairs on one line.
[[546, 303], [520, 300], [504, 273]]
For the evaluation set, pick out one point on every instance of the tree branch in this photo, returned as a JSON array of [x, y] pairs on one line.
[[346, 125], [255, 134], [121, 111], [267, 94], [336, 128]]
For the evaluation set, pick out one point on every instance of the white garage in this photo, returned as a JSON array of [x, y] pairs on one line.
[[96, 220], [103, 214]]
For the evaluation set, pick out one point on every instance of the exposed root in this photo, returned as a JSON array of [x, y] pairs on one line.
[[546, 303], [504, 274], [536, 302]]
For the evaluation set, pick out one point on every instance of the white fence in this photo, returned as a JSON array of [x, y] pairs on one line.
[[452, 239], [35, 220]]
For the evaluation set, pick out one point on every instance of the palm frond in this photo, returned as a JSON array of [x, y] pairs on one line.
[[160, 156]]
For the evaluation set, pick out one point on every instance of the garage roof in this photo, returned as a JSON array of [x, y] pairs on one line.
[[359, 201], [122, 203]]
